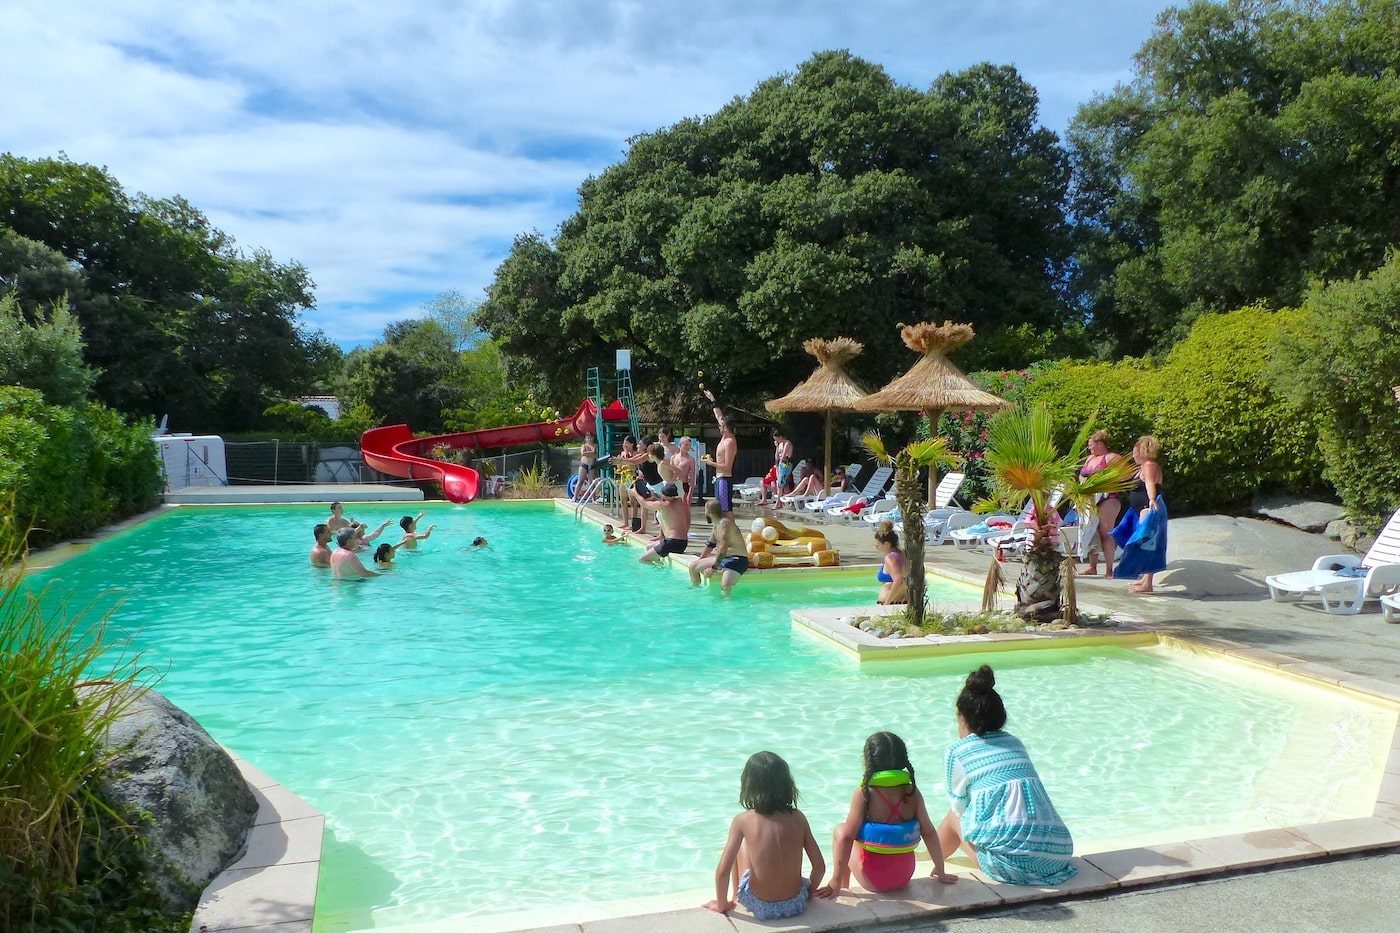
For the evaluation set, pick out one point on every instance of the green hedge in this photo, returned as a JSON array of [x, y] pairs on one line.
[[1228, 431], [69, 470], [1344, 364]]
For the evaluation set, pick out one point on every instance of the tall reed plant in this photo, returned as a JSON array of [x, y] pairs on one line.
[[52, 712]]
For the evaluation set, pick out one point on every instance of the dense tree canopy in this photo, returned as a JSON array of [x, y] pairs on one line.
[[175, 318], [1254, 153], [828, 201]]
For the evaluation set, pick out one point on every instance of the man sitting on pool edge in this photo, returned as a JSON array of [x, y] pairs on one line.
[[344, 564], [674, 513]]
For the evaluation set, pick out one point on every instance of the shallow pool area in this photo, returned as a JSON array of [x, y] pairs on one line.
[[545, 722]]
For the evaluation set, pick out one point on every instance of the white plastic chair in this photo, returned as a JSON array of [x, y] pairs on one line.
[[938, 532], [1390, 607], [1344, 594]]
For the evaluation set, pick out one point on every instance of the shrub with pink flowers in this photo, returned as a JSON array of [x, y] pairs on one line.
[[966, 431]]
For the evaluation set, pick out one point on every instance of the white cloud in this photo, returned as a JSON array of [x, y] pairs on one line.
[[397, 150]]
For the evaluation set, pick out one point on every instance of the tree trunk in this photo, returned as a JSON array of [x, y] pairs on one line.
[[933, 414], [1038, 589], [911, 506]]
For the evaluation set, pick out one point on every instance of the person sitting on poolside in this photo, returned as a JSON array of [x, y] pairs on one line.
[[411, 537], [344, 564], [610, 535], [384, 554], [725, 551], [674, 513], [321, 550]]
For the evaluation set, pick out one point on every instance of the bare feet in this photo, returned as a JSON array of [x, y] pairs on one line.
[[1091, 572], [1139, 588]]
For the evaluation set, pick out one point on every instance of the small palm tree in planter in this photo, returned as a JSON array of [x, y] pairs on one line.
[[1026, 465], [929, 453]]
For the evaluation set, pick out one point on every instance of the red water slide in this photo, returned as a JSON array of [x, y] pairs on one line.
[[394, 450]]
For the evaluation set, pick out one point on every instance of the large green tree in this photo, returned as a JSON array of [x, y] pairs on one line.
[[176, 318], [1253, 154], [832, 200]]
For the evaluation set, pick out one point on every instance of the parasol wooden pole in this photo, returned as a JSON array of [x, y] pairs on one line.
[[826, 476], [933, 414]]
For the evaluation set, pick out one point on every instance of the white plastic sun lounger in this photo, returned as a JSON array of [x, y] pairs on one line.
[[1331, 578]]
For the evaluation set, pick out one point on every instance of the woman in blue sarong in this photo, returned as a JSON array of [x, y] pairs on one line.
[[1001, 813], [1142, 533]]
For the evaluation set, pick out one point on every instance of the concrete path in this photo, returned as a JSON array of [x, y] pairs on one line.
[[1349, 895]]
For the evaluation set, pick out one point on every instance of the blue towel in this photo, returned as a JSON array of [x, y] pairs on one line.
[[1351, 571], [980, 528], [1144, 542]]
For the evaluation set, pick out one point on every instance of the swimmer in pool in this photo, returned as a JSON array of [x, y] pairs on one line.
[[411, 537], [610, 535], [344, 564], [384, 554], [321, 550]]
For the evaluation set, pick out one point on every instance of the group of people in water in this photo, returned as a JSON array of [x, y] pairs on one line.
[[352, 537], [999, 813]]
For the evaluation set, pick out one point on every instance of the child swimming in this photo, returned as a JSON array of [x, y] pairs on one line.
[[610, 536], [763, 855], [886, 822], [411, 537], [384, 554]]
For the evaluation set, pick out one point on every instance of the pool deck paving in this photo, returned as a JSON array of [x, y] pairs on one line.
[[1212, 592]]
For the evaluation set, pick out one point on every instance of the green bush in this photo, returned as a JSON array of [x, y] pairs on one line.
[[46, 354], [1227, 432], [1118, 397], [1344, 363], [68, 471]]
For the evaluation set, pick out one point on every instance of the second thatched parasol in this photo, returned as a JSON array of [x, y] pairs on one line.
[[827, 390], [933, 385]]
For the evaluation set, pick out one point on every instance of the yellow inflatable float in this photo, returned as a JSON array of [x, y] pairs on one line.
[[773, 544]]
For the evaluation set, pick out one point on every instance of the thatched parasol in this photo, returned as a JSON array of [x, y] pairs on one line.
[[933, 385], [828, 390]]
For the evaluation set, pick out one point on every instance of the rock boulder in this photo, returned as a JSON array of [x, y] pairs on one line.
[[1303, 514], [201, 809]]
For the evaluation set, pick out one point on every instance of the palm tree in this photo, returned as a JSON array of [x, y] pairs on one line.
[[1025, 465], [932, 453]]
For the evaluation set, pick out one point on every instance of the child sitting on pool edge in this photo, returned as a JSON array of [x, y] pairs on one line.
[[763, 855], [886, 822]]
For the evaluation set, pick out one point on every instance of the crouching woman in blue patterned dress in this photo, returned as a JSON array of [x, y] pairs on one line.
[[1001, 813]]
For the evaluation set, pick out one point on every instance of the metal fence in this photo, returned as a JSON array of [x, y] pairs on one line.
[[279, 463]]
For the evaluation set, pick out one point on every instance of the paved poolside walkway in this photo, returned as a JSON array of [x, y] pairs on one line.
[[1214, 587]]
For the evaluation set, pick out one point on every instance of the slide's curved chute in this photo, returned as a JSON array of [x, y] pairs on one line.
[[394, 450]]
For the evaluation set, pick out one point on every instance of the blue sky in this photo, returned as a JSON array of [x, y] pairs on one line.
[[397, 149]]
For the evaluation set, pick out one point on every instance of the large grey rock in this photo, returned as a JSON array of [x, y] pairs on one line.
[[1303, 514], [201, 809]]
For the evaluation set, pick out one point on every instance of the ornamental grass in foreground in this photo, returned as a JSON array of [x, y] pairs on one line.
[[68, 861]]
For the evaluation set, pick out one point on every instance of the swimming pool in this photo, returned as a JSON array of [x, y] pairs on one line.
[[546, 721]]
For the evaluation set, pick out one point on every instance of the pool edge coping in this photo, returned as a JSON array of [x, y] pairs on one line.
[[274, 879]]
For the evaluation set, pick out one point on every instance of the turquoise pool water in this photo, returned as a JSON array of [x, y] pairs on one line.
[[547, 722]]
